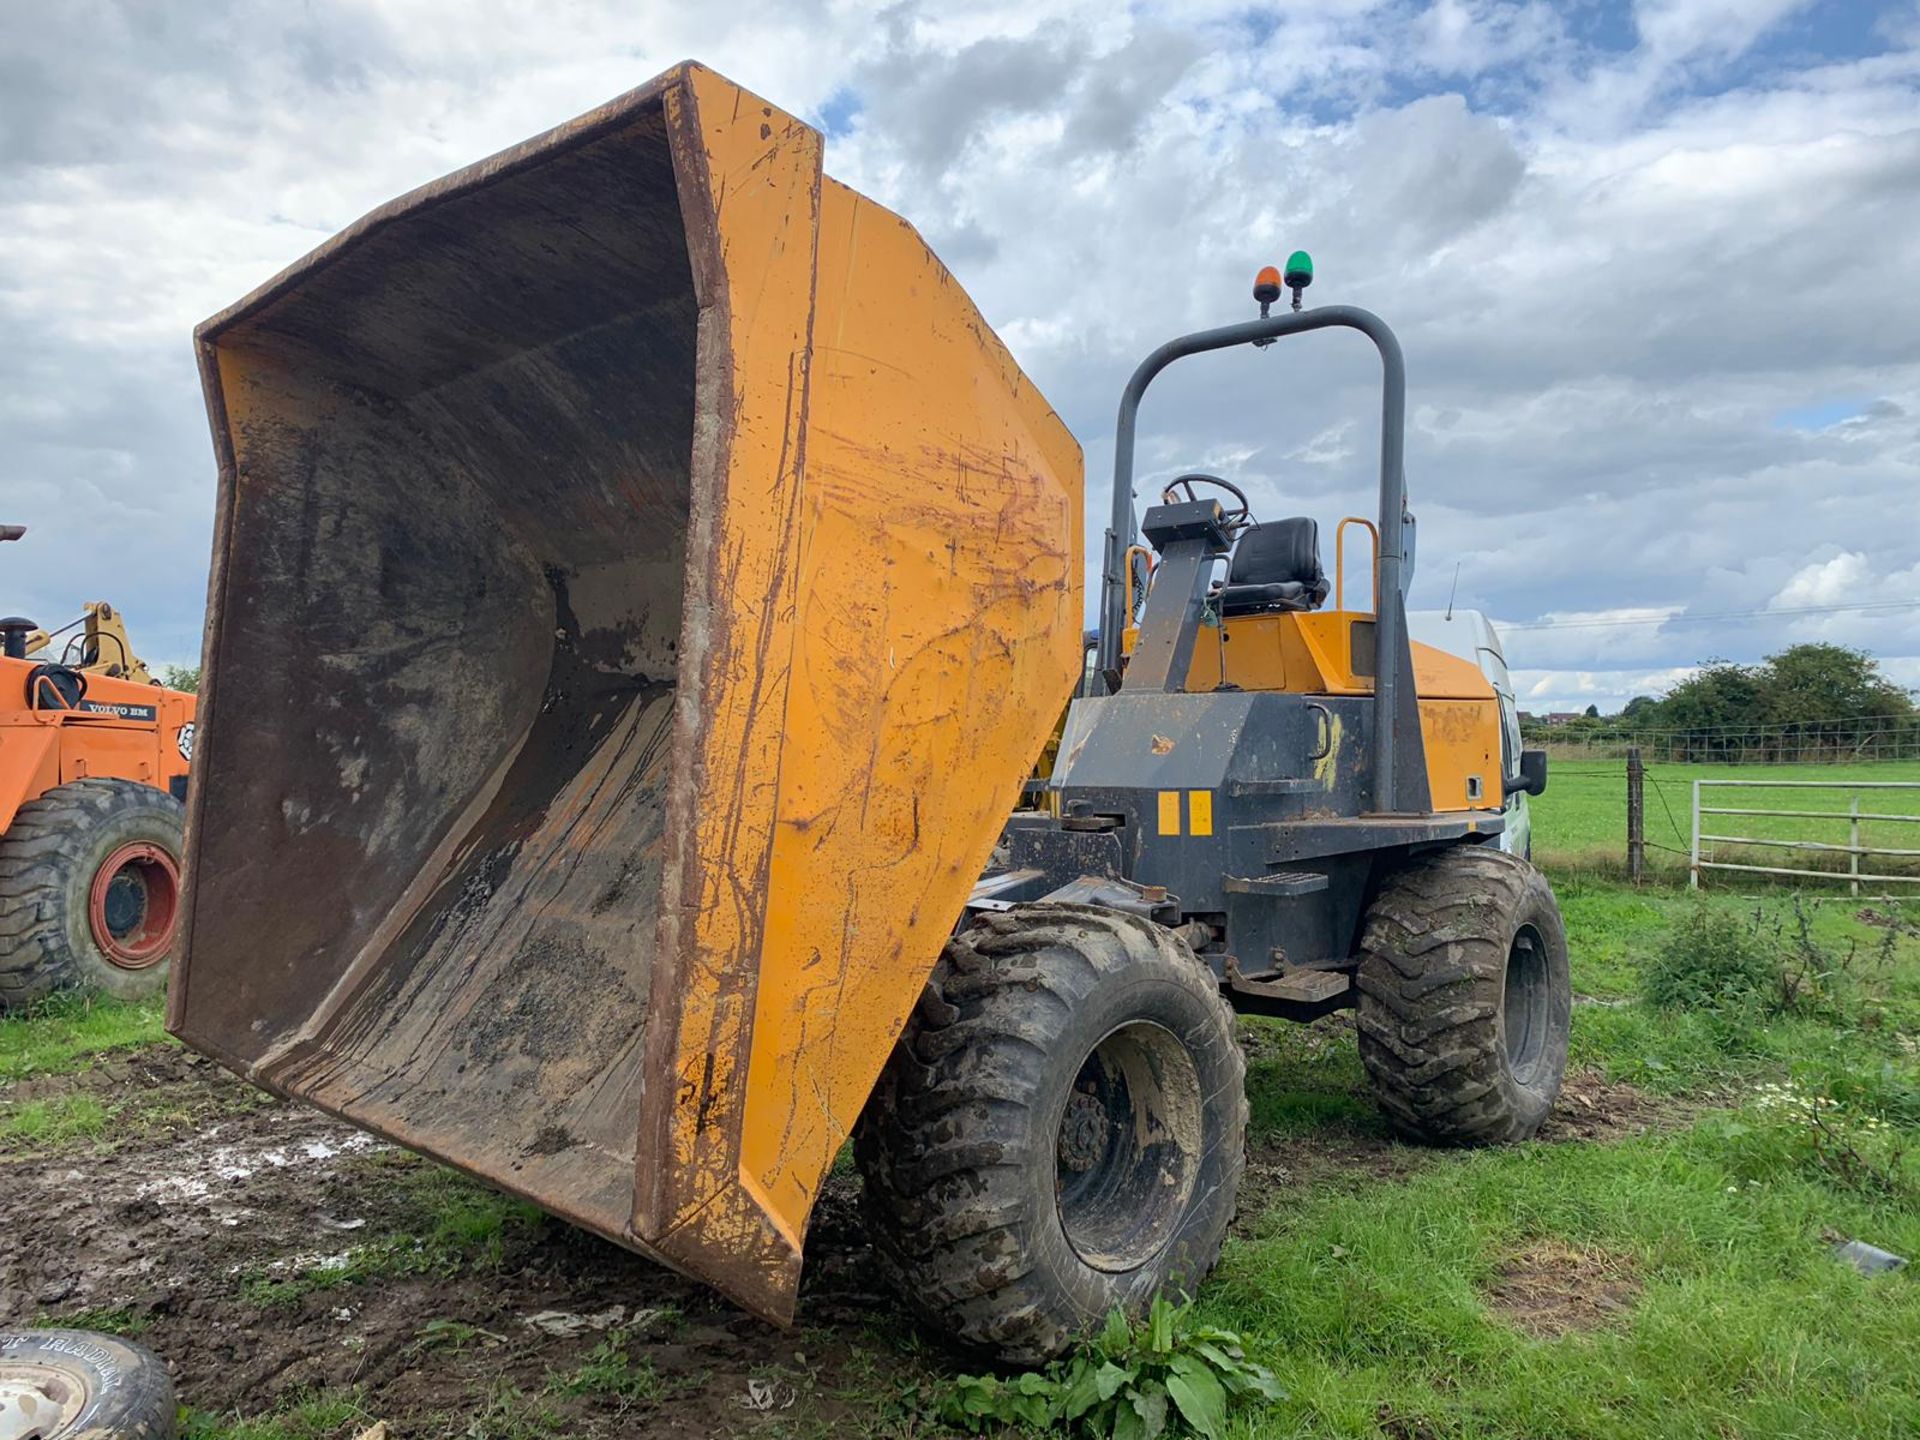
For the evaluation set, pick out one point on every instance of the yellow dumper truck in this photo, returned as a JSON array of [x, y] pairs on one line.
[[642, 583]]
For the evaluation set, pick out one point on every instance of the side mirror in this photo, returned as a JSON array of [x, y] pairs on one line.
[[1533, 773]]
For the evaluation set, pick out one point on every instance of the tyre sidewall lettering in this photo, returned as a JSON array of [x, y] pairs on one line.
[[127, 1389]]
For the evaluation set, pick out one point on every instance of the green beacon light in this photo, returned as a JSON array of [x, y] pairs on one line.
[[1299, 274]]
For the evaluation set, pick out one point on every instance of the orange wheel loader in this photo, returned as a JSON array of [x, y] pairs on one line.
[[93, 784], [653, 581]]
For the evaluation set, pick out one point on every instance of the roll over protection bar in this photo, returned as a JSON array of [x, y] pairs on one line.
[[1389, 603]]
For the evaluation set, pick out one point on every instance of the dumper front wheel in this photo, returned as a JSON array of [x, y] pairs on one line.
[[90, 891], [1466, 1000], [1060, 1130]]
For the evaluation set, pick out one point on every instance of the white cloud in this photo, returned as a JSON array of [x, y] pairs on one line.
[[1612, 271], [1825, 582], [1544, 691], [1675, 29]]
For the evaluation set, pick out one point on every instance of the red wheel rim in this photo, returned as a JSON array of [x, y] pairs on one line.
[[134, 904]]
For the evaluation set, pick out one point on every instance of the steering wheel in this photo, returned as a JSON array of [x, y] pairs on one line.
[[1237, 517]]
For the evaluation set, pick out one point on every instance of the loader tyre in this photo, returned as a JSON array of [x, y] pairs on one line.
[[90, 891], [1060, 1130], [77, 1385], [1465, 998]]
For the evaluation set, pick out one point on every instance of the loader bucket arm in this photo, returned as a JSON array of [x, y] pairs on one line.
[[641, 583]]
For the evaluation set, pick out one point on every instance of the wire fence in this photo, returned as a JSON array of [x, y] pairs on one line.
[[1585, 822], [1847, 740]]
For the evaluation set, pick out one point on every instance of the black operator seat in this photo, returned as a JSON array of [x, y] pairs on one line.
[[1275, 566]]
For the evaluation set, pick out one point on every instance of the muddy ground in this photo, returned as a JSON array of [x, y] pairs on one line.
[[269, 1252]]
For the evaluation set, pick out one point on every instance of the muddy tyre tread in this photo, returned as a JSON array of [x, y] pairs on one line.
[[949, 1139], [50, 838], [1431, 979]]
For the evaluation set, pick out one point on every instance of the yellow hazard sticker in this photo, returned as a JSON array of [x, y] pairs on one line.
[[1169, 812], [1200, 812]]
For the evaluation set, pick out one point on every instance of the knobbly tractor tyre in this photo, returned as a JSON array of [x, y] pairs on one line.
[[76, 1385], [90, 891], [1060, 1130], [1465, 997]]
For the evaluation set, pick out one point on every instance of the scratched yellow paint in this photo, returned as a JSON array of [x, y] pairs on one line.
[[938, 582], [1200, 812], [1326, 768], [897, 512], [1169, 812], [1462, 740], [752, 174]]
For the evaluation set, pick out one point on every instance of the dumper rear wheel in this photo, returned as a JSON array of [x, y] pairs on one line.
[[90, 891], [1060, 1130], [1465, 997]]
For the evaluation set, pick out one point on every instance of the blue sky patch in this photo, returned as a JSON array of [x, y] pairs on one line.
[[1822, 33], [1823, 415], [839, 112]]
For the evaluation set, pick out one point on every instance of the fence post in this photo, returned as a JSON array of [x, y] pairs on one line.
[[1853, 845], [1693, 868], [1636, 815]]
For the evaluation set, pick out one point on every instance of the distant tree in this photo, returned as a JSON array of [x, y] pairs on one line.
[[180, 677], [1593, 712], [1640, 710], [1720, 695], [1827, 682], [1798, 703]]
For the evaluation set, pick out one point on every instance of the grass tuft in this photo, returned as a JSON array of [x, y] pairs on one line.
[[38, 1124], [69, 1032], [448, 1223], [324, 1415], [611, 1372], [117, 1320]]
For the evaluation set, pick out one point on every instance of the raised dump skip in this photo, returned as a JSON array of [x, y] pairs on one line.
[[642, 581]]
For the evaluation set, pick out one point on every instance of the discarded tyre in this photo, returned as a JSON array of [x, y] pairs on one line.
[[1060, 1130], [90, 891], [1465, 998], [69, 1384]]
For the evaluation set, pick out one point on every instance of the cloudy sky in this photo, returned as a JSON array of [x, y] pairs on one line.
[[1654, 264]]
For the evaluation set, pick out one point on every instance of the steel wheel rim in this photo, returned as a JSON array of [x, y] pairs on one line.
[[134, 905], [38, 1400], [1128, 1147], [1526, 1004]]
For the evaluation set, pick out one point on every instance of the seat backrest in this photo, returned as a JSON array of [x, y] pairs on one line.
[[1280, 552]]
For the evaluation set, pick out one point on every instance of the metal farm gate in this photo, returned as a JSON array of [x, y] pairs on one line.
[[1858, 856]]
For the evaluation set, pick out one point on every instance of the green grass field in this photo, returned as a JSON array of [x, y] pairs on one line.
[[1581, 822]]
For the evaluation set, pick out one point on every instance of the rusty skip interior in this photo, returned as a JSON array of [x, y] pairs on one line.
[[476, 419]]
